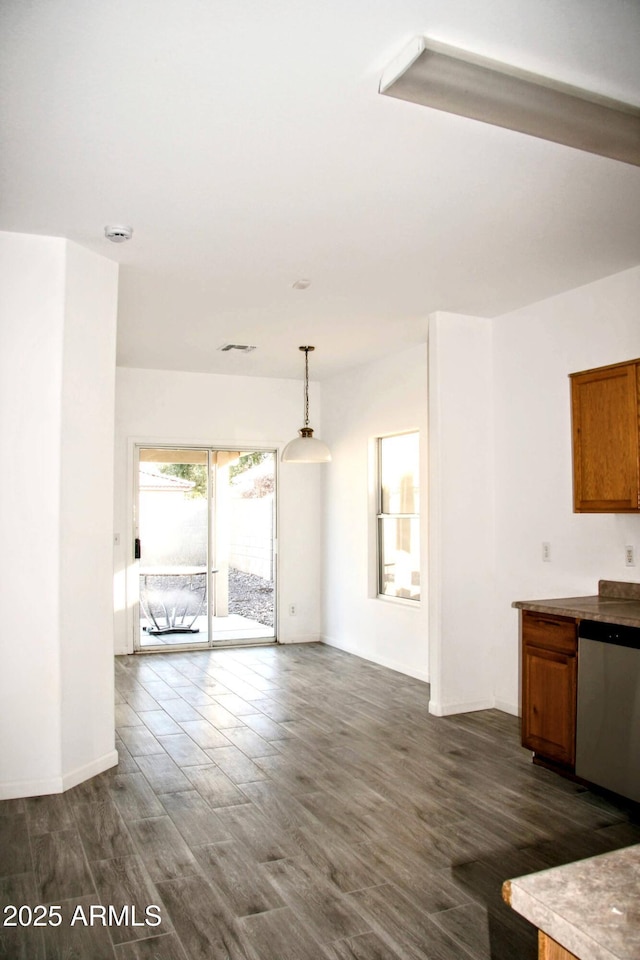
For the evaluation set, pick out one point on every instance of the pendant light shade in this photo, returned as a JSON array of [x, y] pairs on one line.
[[306, 448]]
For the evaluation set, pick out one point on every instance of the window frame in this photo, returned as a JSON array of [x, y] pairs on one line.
[[382, 515]]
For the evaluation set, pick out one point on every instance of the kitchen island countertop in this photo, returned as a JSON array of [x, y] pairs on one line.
[[590, 907]]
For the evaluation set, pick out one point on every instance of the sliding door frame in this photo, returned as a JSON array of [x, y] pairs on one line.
[[132, 587]]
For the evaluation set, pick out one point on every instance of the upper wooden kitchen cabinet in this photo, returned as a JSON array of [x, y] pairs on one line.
[[605, 405]]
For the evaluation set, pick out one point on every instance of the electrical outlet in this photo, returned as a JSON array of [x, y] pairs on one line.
[[546, 552], [629, 556], [292, 609]]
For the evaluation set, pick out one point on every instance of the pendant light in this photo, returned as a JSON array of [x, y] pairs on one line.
[[306, 448]]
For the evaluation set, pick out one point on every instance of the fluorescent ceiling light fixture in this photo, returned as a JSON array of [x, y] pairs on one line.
[[436, 75], [306, 448]]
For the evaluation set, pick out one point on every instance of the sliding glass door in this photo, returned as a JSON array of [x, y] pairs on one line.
[[205, 547]]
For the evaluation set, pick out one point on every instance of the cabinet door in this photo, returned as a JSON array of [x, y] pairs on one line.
[[548, 949], [549, 703], [606, 464]]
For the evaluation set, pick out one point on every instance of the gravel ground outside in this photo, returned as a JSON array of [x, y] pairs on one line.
[[249, 596]]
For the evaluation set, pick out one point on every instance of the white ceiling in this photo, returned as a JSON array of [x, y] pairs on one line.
[[247, 144]]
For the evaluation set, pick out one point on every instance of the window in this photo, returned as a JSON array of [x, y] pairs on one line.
[[399, 516]]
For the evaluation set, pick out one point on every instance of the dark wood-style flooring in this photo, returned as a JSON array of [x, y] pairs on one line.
[[294, 803]]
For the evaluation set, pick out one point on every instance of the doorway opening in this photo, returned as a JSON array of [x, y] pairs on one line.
[[205, 528]]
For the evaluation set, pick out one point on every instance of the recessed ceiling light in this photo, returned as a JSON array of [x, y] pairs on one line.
[[118, 234], [301, 284]]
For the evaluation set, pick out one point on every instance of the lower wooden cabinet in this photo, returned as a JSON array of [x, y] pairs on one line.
[[549, 683], [548, 949]]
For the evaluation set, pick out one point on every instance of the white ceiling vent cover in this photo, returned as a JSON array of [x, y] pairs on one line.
[[242, 347]]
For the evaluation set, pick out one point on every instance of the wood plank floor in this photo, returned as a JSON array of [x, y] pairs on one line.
[[294, 803]]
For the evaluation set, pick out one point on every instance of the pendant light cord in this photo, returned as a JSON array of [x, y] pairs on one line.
[[306, 386]]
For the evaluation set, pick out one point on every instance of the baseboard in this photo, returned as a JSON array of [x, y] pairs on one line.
[[381, 661], [301, 638], [507, 707], [448, 709], [80, 774], [17, 789]]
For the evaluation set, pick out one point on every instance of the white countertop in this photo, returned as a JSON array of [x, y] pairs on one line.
[[590, 907]]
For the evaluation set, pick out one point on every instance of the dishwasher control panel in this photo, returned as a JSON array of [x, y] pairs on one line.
[[617, 633]]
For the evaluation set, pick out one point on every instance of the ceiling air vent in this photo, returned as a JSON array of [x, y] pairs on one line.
[[242, 347]]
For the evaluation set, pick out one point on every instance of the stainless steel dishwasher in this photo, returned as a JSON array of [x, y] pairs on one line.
[[608, 722]]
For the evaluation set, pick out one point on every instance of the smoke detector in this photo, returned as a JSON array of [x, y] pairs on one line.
[[118, 234], [242, 347]]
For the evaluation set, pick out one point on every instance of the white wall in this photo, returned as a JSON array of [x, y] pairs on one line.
[[534, 351], [32, 283], [461, 514], [57, 338], [229, 412], [501, 480], [389, 396], [86, 511], [251, 523]]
